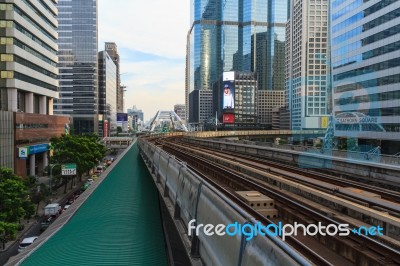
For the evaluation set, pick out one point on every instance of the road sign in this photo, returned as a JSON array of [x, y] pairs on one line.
[[68, 169]]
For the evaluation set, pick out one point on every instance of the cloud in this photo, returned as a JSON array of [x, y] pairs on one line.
[[151, 40]]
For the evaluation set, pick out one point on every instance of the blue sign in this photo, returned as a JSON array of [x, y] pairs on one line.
[[38, 148], [122, 117]]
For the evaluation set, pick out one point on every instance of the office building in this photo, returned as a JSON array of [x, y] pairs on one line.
[[77, 65], [366, 71], [111, 48], [247, 36], [28, 85], [267, 100], [180, 110], [307, 63], [201, 102], [135, 118], [107, 95], [280, 118]]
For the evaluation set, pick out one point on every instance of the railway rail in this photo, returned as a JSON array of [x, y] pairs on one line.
[[312, 178]]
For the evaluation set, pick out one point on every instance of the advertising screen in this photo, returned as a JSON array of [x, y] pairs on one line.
[[228, 95], [229, 118], [122, 117]]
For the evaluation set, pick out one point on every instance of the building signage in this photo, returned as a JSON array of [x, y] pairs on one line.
[[68, 169], [122, 117], [23, 152], [357, 120], [38, 148], [229, 118], [324, 121], [105, 128], [228, 95]]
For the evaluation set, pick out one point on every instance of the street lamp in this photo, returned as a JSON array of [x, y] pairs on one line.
[[51, 176]]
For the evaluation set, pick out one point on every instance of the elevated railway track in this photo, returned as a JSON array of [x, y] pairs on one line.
[[357, 249]]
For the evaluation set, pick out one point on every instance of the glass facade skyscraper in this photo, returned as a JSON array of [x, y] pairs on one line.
[[240, 35], [77, 43], [107, 94], [366, 68]]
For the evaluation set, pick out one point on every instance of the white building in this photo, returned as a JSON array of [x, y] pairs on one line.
[[307, 63]]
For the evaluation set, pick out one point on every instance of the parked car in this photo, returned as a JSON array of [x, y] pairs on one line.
[[100, 169], [66, 207], [26, 242]]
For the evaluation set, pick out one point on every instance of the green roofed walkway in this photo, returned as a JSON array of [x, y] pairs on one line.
[[119, 224]]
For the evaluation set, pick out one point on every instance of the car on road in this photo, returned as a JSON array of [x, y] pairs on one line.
[[100, 169], [66, 207], [46, 223], [26, 242]]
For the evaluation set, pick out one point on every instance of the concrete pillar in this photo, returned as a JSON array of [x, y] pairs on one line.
[[45, 160], [29, 102], [32, 163], [42, 105], [12, 100], [50, 111]]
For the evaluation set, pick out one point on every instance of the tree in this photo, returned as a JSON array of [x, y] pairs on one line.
[[86, 151], [15, 203], [119, 130], [39, 194]]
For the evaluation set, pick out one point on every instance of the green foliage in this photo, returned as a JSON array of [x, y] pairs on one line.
[[38, 194], [8, 231], [86, 151], [14, 203]]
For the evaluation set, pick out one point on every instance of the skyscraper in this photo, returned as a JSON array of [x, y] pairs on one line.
[[307, 63], [111, 49], [107, 95], [244, 36], [28, 85], [77, 65], [366, 71]]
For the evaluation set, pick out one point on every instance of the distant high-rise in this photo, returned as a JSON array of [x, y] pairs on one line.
[[247, 36], [107, 95], [180, 110], [307, 63], [77, 65], [112, 50], [366, 71]]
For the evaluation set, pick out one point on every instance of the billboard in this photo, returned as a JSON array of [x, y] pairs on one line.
[[228, 95], [228, 76], [122, 117], [229, 118]]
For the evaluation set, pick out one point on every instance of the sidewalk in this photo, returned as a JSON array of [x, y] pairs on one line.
[[57, 197]]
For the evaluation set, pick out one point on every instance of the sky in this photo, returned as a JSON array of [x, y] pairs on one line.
[[151, 40]]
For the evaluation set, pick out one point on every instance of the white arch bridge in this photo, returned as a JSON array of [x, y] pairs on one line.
[[166, 119]]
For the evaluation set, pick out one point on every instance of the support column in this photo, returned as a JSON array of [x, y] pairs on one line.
[[32, 163], [12, 100], [42, 105], [50, 111], [45, 160], [29, 102]]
